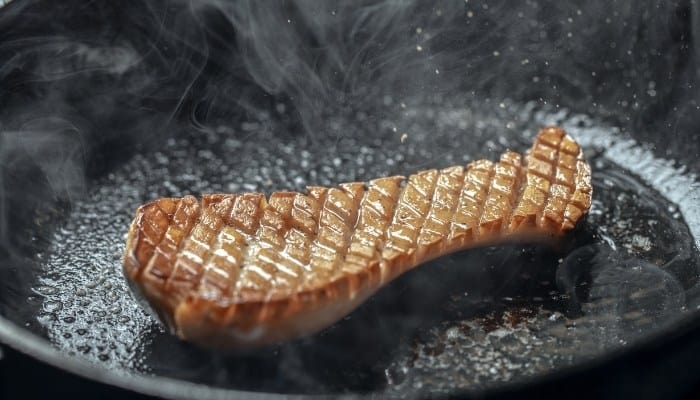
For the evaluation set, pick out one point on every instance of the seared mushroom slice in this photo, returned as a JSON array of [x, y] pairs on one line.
[[241, 270]]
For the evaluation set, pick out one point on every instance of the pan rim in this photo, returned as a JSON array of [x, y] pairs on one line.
[[41, 350]]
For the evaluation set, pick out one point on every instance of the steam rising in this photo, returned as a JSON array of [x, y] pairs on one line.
[[116, 74], [331, 52]]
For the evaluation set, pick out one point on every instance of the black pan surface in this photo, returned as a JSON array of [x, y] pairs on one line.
[[104, 107]]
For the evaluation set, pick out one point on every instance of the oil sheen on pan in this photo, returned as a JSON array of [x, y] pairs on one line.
[[238, 271]]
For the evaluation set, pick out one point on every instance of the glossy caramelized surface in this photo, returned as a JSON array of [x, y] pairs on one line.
[[242, 270]]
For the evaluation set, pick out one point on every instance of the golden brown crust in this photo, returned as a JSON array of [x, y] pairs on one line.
[[240, 270]]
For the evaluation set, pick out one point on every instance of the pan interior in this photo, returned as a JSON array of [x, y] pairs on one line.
[[496, 315]]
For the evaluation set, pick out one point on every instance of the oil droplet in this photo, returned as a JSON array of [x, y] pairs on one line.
[[52, 306], [46, 290]]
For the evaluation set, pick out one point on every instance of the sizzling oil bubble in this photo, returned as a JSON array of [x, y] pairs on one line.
[[501, 318], [86, 303]]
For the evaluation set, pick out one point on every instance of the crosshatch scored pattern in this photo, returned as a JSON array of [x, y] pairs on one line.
[[239, 259]]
